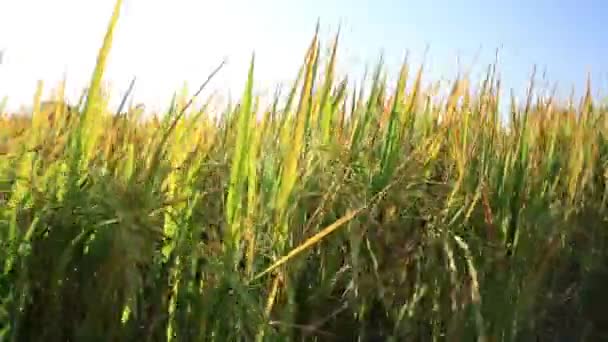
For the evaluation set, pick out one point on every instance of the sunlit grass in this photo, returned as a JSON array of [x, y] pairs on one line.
[[334, 214]]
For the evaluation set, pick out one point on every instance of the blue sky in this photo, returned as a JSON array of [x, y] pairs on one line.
[[166, 43]]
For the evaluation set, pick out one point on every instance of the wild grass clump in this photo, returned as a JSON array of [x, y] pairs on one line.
[[337, 213]]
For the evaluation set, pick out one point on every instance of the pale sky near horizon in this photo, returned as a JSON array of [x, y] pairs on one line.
[[167, 43]]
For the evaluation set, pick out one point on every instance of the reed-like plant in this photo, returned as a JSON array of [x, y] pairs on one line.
[[335, 214]]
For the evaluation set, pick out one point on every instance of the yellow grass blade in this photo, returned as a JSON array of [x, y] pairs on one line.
[[315, 239]]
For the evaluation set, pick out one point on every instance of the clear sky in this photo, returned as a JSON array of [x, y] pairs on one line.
[[165, 43]]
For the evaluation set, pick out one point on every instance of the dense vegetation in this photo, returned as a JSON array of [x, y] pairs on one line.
[[338, 213]]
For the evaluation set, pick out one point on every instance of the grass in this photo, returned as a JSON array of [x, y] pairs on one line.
[[334, 214]]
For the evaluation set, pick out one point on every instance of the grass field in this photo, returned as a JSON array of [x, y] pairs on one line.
[[338, 213]]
